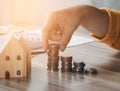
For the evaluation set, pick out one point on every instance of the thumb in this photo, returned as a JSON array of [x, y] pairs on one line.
[[65, 38]]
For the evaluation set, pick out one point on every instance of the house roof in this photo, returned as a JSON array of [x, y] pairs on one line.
[[4, 42], [21, 41], [24, 45]]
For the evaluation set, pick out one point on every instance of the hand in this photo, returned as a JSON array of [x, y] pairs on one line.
[[60, 27], [61, 24]]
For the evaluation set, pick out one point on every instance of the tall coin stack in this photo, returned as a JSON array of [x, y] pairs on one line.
[[78, 67], [66, 64], [53, 58]]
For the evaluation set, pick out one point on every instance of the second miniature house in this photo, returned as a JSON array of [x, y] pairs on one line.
[[14, 58]]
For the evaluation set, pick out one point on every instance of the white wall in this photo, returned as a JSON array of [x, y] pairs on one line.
[[114, 4], [6, 13], [32, 11]]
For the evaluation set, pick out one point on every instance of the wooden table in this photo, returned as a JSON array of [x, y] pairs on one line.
[[105, 59]]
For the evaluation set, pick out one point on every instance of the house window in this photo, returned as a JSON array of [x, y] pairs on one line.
[[18, 72], [7, 58], [18, 57]]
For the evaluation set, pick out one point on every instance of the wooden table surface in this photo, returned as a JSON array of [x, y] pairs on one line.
[[105, 59]]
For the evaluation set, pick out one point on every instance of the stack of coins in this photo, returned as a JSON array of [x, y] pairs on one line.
[[66, 64], [78, 67], [53, 58], [91, 71]]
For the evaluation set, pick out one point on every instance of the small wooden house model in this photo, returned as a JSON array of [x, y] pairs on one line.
[[15, 58]]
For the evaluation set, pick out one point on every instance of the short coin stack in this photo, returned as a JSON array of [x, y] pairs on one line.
[[53, 58], [78, 67], [66, 64], [91, 71]]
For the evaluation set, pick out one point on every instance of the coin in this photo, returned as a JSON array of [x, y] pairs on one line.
[[53, 50], [92, 71], [66, 58]]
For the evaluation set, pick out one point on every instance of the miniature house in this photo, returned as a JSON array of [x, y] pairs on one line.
[[15, 58]]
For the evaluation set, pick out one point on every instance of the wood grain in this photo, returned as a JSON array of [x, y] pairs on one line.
[[14, 58], [105, 59]]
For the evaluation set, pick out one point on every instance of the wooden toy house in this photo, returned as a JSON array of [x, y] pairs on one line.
[[15, 58]]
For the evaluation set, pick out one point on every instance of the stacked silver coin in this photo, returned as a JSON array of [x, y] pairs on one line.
[[78, 67], [66, 64], [91, 71], [53, 57]]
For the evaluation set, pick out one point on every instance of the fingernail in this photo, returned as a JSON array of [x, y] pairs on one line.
[[62, 48]]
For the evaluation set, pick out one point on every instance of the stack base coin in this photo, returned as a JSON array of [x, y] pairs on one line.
[[53, 63], [78, 67], [66, 64], [52, 69], [78, 70], [53, 58], [79, 64], [91, 71], [66, 70]]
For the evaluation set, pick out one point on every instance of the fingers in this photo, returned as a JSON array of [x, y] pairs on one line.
[[45, 38], [45, 33], [65, 38], [57, 29], [56, 33], [49, 30]]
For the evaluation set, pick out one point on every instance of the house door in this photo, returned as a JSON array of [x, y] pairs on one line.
[[7, 74]]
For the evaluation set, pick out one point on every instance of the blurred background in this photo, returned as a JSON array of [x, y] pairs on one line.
[[21, 15], [33, 11]]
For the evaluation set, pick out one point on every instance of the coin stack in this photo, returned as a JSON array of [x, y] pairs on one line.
[[66, 64], [78, 67], [91, 71], [53, 58]]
